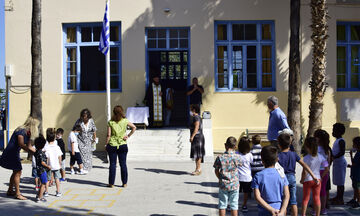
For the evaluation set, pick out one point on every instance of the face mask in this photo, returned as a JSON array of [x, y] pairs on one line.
[[58, 136], [76, 133], [191, 113]]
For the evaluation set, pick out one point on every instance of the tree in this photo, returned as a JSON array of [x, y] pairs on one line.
[[294, 114], [319, 16], [36, 70]]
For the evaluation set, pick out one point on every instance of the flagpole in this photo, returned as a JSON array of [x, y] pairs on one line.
[[108, 98]]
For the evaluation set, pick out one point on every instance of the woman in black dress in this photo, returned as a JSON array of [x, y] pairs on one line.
[[197, 139], [22, 138]]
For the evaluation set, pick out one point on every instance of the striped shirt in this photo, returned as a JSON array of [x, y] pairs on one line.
[[256, 165]]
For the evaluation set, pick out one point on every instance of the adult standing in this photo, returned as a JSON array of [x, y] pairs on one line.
[[197, 139], [195, 92], [86, 138], [22, 138], [155, 100], [277, 120], [117, 144]]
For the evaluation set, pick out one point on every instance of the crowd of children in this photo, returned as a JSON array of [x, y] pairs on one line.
[[48, 162], [270, 173]]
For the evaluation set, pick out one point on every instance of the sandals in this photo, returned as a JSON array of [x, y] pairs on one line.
[[196, 172], [20, 197]]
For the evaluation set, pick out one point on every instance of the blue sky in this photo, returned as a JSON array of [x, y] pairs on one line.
[[2, 43]]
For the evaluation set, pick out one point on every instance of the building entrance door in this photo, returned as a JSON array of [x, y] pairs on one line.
[[172, 66]]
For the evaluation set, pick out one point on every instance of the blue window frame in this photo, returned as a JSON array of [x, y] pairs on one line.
[[244, 56], [84, 64], [347, 56]]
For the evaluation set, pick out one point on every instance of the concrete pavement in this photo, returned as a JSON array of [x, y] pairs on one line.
[[154, 188]]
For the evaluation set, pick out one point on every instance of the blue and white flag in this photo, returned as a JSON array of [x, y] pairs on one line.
[[104, 44]]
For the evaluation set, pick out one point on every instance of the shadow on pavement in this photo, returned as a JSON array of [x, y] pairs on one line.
[[200, 204], [158, 171], [161, 215], [81, 181], [205, 184], [215, 195]]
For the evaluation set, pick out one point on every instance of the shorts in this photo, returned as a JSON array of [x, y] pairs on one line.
[[292, 188], [56, 173], [43, 178], [76, 157], [231, 197], [245, 187], [355, 185], [339, 172], [34, 173], [63, 164]]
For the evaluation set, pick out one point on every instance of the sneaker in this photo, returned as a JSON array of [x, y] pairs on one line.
[[85, 171], [46, 194], [58, 194], [72, 172], [355, 205], [323, 212], [62, 180], [244, 209], [41, 200], [352, 201]]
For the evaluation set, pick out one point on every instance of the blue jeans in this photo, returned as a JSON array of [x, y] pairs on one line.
[[121, 153], [231, 197], [292, 188]]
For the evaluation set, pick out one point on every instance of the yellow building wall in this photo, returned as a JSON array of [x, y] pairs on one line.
[[232, 113]]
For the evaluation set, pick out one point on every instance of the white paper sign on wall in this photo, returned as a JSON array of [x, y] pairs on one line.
[[350, 109]]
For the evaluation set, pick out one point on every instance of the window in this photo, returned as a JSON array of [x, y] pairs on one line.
[[84, 64], [244, 56], [347, 56]]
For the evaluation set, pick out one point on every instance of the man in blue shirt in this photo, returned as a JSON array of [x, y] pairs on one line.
[[277, 120]]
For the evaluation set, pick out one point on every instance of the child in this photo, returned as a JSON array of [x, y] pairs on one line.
[[226, 167], [73, 147], [270, 190], [61, 144], [323, 139], [314, 161], [287, 160], [34, 173], [256, 165], [53, 153], [245, 170], [355, 173], [41, 166], [339, 163]]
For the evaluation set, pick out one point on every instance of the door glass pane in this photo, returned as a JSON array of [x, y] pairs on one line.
[[178, 71], [184, 43], [151, 43], [71, 69], [161, 33], [185, 57], [114, 33], [341, 67], [171, 71], [221, 32], [183, 33], [185, 71], [96, 33], [341, 52], [251, 52], [222, 81], [114, 67], [71, 35], [151, 33], [266, 32], [266, 52], [237, 67], [173, 33], [86, 34], [341, 81], [161, 43], [355, 59], [251, 80], [355, 32], [222, 52], [173, 43], [250, 31], [238, 32], [163, 71], [71, 54], [340, 32], [114, 53], [251, 66], [354, 81], [114, 82], [174, 56], [163, 56], [92, 65], [266, 66], [266, 81]]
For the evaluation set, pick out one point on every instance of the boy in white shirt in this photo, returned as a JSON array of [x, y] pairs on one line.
[[73, 147], [53, 153]]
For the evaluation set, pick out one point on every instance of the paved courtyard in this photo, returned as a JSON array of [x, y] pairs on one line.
[[154, 188]]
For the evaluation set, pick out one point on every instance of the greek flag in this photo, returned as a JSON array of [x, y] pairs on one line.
[[104, 44]]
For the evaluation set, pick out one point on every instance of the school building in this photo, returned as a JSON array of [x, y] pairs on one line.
[[239, 50]]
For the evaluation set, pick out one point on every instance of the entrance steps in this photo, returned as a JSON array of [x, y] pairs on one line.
[[168, 144]]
